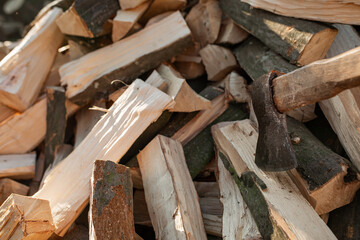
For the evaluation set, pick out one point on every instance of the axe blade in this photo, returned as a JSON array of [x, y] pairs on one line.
[[274, 150]]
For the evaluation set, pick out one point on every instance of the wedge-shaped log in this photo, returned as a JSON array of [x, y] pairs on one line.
[[111, 202], [172, 202], [25, 218], [299, 41], [276, 204], [9, 187], [88, 18], [67, 187], [24, 70], [18, 166], [342, 11], [125, 60], [343, 110]]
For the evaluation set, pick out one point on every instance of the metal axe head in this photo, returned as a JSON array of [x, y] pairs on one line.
[[274, 150]]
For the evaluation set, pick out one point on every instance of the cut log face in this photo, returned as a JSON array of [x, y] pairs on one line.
[[230, 33], [24, 70], [127, 4], [237, 88], [204, 21], [67, 187], [18, 166], [172, 202], [9, 187], [126, 59], [25, 218], [298, 41], [218, 61], [111, 202], [272, 198], [161, 6]]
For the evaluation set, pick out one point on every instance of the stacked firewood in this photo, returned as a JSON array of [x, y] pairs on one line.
[[134, 119]]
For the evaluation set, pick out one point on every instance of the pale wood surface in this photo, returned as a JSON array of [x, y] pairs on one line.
[[161, 6], [5, 112], [67, 187], [169, 191], [327, 11], [237, 141], [9, 186], [218, 61], [24, 70], [343, 110], [126, 59], [25, 218], [236, 86], [126, 4], [18, 166], [230, 33]]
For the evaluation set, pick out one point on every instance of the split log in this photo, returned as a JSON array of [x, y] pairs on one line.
[[8, 187], [24, 70], [204, 21], [123, 61], [23, 132], [126, 19], [88, 18], [213, 225], [5, 112], [230, 33], [299, 41], [111, 202], [157, 81], [127, 4], [162, 6], [67, 188], [273, 199], [218, 61], [343, 110], [237, 221], [328, 180], [158, 18], [53, 79], [257, 59], [342, 11], [236, 87], [173, 202], [39, 172], [190, 70], [21, 166], [141, 212], [25, 218]]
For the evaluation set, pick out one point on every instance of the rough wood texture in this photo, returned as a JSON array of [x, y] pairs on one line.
[[204, 21], [55, 121], [19, 166], [23, 132], [325, 79], [329, 180], [299, 41], [127, 4], [68, 186], [126, 59], [126, 19], [88, 18], [272, 198], [326, 11], [190, 70], [111, 202], [343, 111], [24, 70], [173, 202], [230, 33], [218, 61], [237, 88], [8, 186], [237, 221], [5, 112], [161, 6], [25, 218]]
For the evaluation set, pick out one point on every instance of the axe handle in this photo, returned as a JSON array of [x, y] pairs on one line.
[[317, 81]]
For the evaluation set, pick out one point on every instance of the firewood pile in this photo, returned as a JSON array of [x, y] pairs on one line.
[[175, 119]]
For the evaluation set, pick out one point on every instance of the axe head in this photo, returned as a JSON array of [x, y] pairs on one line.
[[274, 150]]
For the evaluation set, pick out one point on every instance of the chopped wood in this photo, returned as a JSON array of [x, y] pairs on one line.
[[111, 202], [218, 61], [156, 80], [161, 6], [190, 70], [25, 218], [204, 21], [125, 19], [18, 166], [123, 61], [53, 79], [213, 224], [5, 112], [325, 11], [179, 217], [88, 18], [141, 212], [127, 4], [68, 186], [273, 199], [186, 99], [158, 18], [299, 41], [237, 88], [230, 33], [136, 178], [9, 186], [24, 70], [343, 110], [39, 173]]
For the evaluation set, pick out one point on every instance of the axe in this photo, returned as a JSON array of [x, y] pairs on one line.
[[275, 93]]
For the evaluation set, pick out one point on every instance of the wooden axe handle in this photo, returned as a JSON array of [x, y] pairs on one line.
[[317, 81]]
